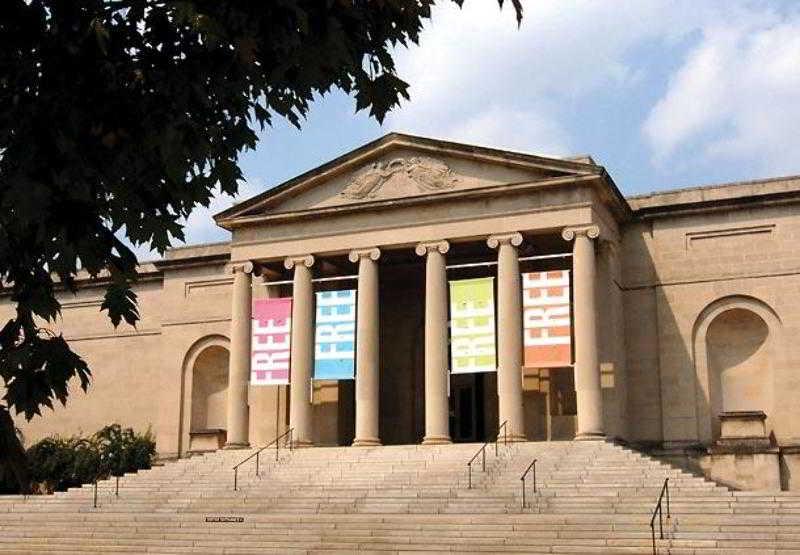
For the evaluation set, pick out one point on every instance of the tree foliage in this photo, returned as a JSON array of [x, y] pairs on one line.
[[60, 463], [118, 117]]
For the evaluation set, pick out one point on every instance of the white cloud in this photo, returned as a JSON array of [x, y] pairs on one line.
[[478, 78], [511, 129], [200, 226], [736, 97]]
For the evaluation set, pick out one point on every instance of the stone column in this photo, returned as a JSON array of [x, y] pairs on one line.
[[367, 349], [302, 350], [509, 334], [587, 366], [437, 422], [239, 362]]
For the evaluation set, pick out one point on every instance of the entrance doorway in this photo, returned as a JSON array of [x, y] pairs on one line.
[[563, 409], [550, 403], [473, 407]]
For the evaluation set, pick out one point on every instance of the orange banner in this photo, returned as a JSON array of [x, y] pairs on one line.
[[546, 319]]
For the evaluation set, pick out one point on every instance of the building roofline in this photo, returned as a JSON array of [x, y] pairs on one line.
[[343, 162], [716, 196], [707, 186]]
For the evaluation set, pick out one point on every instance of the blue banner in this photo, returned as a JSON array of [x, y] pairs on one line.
[[334, 345]]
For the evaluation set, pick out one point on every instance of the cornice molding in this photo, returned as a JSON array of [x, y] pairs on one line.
[[394, 203], [393, 141]]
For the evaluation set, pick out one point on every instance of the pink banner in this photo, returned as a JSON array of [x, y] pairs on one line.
[[271, 343]]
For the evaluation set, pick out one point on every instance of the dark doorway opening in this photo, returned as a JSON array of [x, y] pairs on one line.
[[468, 407]]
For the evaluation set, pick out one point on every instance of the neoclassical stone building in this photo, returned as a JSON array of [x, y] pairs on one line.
[[681, 306]]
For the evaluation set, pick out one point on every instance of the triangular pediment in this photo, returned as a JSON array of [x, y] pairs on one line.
[[401, 167]]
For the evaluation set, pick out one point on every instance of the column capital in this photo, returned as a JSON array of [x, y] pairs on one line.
[[306, 260], [514, 239], [427, 246], [373, 253], [590, 231], [243, 266]]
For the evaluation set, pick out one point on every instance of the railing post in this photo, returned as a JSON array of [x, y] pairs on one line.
[[95, 493], [660, 523], [116, 491], [653, 537], [469, 473], [523, 492], [235, 478], [666, 486], [483, 459], [257, 465], [534, 475]]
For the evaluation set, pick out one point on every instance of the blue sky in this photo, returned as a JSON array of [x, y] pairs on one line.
[[663, 93]]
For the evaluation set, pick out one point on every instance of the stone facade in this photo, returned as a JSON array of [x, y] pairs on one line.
[[683, 305]]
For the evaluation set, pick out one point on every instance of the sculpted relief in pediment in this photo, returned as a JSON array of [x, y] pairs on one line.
[[400, 177]]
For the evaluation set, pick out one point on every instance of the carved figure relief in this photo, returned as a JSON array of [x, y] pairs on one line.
[[419, 174]]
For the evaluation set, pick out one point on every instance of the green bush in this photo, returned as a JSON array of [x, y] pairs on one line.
[[122, 450], [59, 463]]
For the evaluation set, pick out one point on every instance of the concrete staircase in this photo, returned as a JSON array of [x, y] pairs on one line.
[[593, 497]]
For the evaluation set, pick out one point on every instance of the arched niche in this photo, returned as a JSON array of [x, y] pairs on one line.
[[737, 341], [210, 389], [204, 387]]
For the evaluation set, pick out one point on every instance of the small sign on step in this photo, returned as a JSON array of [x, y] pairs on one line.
[[224, 519]]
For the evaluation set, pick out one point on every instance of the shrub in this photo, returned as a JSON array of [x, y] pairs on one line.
[[122, 450], [59, 463]]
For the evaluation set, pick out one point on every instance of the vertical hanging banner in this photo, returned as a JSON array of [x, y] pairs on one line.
[[334, 345], [546, 319], [271, 341], [472, 334]]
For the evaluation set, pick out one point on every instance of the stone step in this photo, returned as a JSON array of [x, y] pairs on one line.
[[593, 497]]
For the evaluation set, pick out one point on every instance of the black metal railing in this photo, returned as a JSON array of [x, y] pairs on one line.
[[504, 428], [664, 495], [482, 452], [287, 436], [94, 484], [531, 466]]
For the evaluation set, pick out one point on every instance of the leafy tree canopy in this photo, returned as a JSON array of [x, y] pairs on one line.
[[118, 117]]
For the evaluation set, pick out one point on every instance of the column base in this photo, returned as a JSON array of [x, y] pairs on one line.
[[436, 440], [511, 438], [237, 446], [590, 436], [302, 444], [366, 442]]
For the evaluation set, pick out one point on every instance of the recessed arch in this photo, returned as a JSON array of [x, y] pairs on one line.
[[200, 348], [736, 343]]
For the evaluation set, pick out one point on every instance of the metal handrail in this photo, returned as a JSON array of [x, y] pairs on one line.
[[524, 474], [276, 442], [483, 463], [658, 511], [504, 427], [94, 484], [482, 450]]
